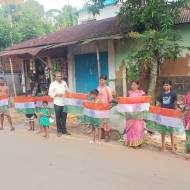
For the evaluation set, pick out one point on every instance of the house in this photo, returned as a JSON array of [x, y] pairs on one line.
[[110, 10], [76, 48]]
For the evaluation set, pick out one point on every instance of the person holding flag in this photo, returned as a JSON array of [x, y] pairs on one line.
[[4, 91], [105, 95], [135, 135], [186, 119], [162, 120], [57, 91]]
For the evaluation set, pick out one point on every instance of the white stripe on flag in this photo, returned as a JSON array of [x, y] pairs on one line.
[[50, 104], [73, 102], [164, 120], [134, 107], [3, 102], [96, 113], [24, 105]]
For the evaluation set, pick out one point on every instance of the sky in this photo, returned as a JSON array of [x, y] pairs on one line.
[[58, 4]]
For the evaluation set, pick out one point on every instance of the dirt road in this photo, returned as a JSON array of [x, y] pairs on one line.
[[30, 163]]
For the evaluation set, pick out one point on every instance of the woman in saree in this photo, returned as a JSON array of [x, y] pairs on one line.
[[135, 135], [186, 119]]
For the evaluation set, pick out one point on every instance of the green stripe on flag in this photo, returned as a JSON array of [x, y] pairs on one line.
[[38, 110], [25, 111], [96, 122], [3, 108], [76, 110], [135, 115], [162, 129]]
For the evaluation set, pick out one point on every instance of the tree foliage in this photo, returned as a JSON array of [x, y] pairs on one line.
[[64, 17], [22, 20], [152, 22]]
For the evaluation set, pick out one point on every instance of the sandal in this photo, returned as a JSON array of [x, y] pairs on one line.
[[12, 128], [91, 142], [1, 128], [98, 143]]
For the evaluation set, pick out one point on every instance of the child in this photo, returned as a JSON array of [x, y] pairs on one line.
[[30, 117], [44, 118], [168, 99], [94, 96], [44, 93], [105, 95]]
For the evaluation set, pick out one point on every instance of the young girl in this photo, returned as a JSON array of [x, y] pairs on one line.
[[44, 93], [30, 117], [168, 99], [94, 96], [44, 118], [105, 95]]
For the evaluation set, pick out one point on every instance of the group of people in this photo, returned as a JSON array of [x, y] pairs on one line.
[[135, 134]]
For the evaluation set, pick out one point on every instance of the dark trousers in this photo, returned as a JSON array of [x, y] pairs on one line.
[[61, 118]]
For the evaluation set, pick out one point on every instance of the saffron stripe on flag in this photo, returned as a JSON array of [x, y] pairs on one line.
[[96, 106], [134, 100], [166, 112], [3, 97], [23, 99], [44, 98], [76, 96]]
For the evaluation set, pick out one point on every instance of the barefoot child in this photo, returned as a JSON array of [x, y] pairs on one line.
[[105, 95], [44, 118], [44, 92], [30, 117], [94, 96], [168, 99]]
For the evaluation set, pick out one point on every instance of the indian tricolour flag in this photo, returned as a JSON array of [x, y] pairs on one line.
[[134, 104], [96, 114], [3, 103], [73, 103], [39, 101], [168, 117], [24, 105]]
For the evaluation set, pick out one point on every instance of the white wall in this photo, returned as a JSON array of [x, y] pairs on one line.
[[107, 12]]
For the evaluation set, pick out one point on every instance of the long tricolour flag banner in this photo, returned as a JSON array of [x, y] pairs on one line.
[[3, 103], [168, 117], [96, 114], [39, 101], [73, 103], [24, 105], [134, 104]]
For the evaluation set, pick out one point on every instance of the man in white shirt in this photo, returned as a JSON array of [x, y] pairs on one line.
[[57, 91]]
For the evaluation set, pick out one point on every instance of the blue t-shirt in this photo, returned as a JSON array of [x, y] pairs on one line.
[[167, 100]]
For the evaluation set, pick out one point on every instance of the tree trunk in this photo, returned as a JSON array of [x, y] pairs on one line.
[[142, 3], [152, 81]]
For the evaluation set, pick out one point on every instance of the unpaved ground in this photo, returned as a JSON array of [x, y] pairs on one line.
[[79, 129]]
